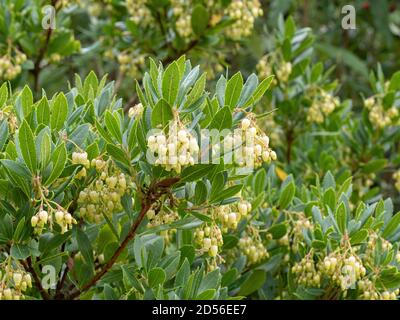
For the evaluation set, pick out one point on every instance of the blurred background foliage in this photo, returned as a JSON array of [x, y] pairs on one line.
[[105, 29], [315, 110]]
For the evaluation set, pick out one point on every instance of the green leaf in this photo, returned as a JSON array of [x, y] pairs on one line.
[[341, 217], [290, 28], [287, 195], [260, 181], [170, 83], [3, 133], [345, 56], [59, 159], [27, 146], [392, 226], [19, 251], [196, 91], [227, 193], [233, 90], [26, 97], [259, 93], [117, 154], [374, 166], [253, 283], [248, 89], [359, 237], [113, 125], [161, 114], [3, 94], [201, 192], [183, 274], [330, 198], [222, 120], [17, 168], [220, 90], [394, 83], [84, 246], [157, 276], [45, 150], [59, 112], [207, 295], [195, 172], [43, 112], [278, 230], [130, 279], [199, 19]]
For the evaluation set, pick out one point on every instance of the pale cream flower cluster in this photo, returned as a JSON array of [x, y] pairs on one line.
[[139, 12], [252, 247], [208, 239], [322, 106], [130, 63], [14, 281], [103, 195], [248, 146], [244, 12], [379, 117], [396, 177], [42, 218], [174, 150], [11, 66]]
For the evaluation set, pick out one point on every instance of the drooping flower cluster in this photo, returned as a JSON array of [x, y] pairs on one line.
[[8, 114], [368, 291], [174, 150], [208, 239], [136, 111], [264, 67], [379, 116], [139, 12], [14, 281], [305, 273], [273, 64], [251, 245], [63, 218], [283, 72], [337, 269], [10, 65], [396, 177], [375, 241], [130, 62], [162, 217], [248, 146], [103, 195], [81, 158], [244, 12], [343, 271], [322, 106], [230, 215]]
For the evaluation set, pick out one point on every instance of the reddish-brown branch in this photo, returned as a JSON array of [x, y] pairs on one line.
[[116, 254], [42, 51], [28, 267], [155, 192]]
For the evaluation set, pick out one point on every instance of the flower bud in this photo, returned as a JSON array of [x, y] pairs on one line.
[[59, 215], [34, 221], [43, 216], [7, 294], [206, 243], [17, 278], [245, 124], [213, 251]]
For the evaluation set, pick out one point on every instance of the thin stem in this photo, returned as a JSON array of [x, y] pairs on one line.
[[155, 192], [37, 65], [28, 267], [146, 207]]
